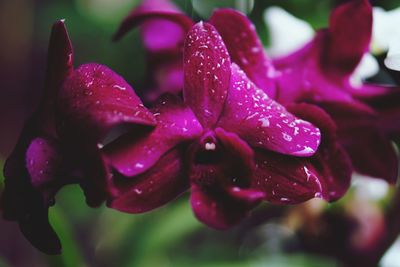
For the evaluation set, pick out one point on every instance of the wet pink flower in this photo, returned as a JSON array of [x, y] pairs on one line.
[[59, 142], [367, 115], [228, 141]]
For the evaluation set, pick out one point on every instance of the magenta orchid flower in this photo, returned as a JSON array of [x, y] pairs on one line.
[[58, 144], [228, 141], [321, 73]]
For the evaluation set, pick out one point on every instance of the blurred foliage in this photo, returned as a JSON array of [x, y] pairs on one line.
[[169, 236]]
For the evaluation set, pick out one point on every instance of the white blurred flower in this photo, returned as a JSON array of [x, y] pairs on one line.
[[386, 35], [392, 256], [287, 32], [368, 67], [369, 188]]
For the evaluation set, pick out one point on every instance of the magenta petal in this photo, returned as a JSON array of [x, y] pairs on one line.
[[263, 123], [59, 66], [331, 163], [362, 135], [245, 47], [176, 123], [158, 13], [285, 179], [249, 196], [43, 162], [216, 209], [350, 28], [373, 154], [206, 73], [160, 184], [94, 99]]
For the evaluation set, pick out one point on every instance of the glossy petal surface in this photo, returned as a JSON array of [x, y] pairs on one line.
[[245, 47], [94, 99], [263, 123], [206, 73], [132, 154], [160, 184]]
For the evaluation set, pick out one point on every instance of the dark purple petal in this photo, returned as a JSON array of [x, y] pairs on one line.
[[285, 179], [206, 73], [164, 25], [220, 159], [133, 154], [26, 198], [59, 66], [373, 154], [37, 229], [350, 28], [245, 47], [362, 135], [94, 99], [217, 209], [95, 171], [160, 184], [331, 162], [386, 104], [263, 123]]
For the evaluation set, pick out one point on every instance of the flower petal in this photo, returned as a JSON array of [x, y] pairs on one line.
[[157, 186], [176, 123], [245, 47], [373, 154], [37, 229], [332, 164], [285, 179], [94, 99], [206, 73], [59, 66], [362, 135], [216, 209], [350, 29], [26, 199], [43, 162], [263, 123], [164, 25]]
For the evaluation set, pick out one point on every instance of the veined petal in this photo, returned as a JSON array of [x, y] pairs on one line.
[[131, 155], [245, 47], [217, 209], [285, 179], [94, 99], [206, 73], [331, 163], [160, 184], [153, 13], [263, 123], [350, 30]]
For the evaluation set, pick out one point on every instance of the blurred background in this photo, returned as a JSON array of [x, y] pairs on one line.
[[169, 236]]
